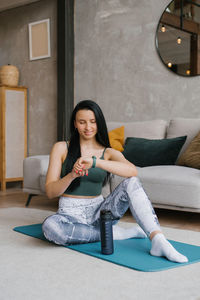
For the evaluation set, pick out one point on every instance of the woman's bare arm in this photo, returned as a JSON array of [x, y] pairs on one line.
[[55, 186], [117, 164], [114, 163]]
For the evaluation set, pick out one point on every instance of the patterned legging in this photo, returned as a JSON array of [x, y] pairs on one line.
[[77, 220]]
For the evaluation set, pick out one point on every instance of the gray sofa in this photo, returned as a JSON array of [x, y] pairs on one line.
[[168, 186]]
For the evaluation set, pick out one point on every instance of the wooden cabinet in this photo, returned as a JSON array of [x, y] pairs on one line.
[[13, 133]]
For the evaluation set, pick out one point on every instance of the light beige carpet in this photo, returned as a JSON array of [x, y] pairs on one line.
[[32, 269]]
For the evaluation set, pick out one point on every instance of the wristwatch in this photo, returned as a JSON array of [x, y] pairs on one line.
[[94, 161]]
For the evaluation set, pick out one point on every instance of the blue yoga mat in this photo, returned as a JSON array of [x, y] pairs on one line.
[[130, 253]]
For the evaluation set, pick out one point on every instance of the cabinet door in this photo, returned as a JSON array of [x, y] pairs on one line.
[[15, 116]]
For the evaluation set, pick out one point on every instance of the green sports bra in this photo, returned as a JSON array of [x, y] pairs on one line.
[[90, 185]]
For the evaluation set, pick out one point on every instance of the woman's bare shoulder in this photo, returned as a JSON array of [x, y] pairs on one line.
[[110, 152], [60, 148], [61, 144]]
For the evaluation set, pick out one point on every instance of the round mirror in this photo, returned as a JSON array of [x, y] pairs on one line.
[[178, 37]]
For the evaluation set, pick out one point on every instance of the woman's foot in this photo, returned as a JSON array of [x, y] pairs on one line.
[[161, 247], [120, 233]]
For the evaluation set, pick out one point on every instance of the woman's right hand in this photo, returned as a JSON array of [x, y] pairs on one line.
[[75, 174]]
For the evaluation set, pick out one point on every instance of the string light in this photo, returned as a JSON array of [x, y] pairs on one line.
[[188, 72], [179, 40], [163, 29], [169, 64]]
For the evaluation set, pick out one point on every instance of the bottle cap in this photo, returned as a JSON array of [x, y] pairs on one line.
[[106, 214]]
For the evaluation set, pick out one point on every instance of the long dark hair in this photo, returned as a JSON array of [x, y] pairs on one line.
[[74, 151]]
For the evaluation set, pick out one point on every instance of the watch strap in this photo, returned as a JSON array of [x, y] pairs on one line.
[[94, 161]]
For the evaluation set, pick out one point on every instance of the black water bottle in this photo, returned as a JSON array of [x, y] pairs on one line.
[[106, 232]]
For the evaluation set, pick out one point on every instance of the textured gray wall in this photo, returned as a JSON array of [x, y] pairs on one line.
[[39, 76], [116, 62]]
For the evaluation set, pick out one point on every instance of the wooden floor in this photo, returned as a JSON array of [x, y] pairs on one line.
[[14, 197]]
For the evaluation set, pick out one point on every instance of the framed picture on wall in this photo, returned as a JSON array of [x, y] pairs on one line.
[[39, 39]]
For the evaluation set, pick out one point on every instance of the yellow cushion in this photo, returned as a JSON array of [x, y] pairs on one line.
[[191, 156], [116, 137]]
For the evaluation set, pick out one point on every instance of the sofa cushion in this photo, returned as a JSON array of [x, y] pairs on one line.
[[172, 185], [42, 183], [168, 185], [106, 189], [115, 180], [144, 152], [116, 138], [155, 129], [180, 127], [191, 156], [33, 167]]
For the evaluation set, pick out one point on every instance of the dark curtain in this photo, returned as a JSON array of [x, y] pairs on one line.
[[65, 66]]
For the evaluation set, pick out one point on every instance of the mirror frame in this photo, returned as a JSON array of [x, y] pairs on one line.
[[184, 24]]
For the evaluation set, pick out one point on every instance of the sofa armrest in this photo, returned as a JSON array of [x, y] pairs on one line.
[[33, 168]]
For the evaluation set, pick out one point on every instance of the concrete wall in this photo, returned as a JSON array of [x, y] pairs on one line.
[[39, 76], [116, 62]]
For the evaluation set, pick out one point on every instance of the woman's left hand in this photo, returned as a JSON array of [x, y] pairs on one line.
[[82, 165]]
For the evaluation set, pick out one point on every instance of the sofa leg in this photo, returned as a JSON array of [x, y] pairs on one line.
[[29, 198]]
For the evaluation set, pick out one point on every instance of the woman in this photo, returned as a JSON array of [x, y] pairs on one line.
[[78, 169]]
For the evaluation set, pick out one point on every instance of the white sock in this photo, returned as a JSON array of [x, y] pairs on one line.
[[161, 247], [120, 233]]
